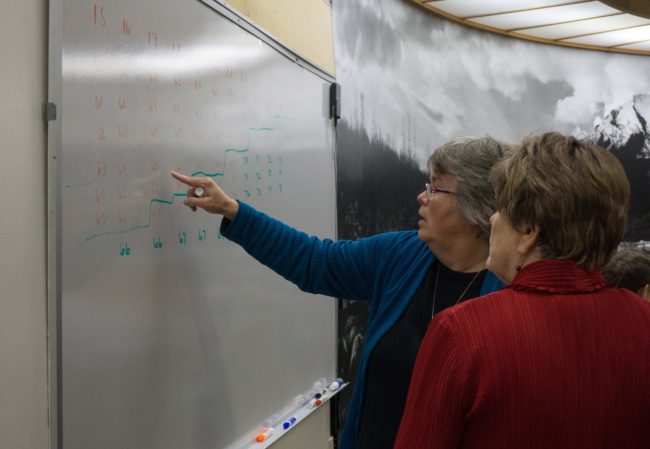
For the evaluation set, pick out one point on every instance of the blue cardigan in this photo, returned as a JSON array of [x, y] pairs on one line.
[[385, 269]]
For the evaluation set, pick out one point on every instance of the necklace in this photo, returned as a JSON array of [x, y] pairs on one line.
[[435, 288]]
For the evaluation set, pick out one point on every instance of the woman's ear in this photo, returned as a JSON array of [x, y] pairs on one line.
[[528, 241]]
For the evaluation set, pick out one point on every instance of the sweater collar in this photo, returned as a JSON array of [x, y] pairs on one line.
[[558, 276]]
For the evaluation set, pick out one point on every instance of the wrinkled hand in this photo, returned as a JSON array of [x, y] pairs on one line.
[[213, 200]]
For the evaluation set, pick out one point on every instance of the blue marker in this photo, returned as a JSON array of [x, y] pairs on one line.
[[289, 422]]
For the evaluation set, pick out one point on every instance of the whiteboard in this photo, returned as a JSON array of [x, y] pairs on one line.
[[169, 335]]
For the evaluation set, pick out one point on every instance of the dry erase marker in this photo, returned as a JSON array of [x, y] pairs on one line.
[[314, 403], [198, 192], [335, 385], [289, 422], [265, 434]]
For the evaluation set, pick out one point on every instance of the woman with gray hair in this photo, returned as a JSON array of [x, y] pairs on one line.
[[406, 276]]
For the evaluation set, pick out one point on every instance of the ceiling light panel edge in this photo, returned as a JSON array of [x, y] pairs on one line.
[[614, 38], [546, 16], [588, 26], [472, 8]]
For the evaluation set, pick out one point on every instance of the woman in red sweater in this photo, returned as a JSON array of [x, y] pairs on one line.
[[558, 358]]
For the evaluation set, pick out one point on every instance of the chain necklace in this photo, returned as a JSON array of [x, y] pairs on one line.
[[435, 289]]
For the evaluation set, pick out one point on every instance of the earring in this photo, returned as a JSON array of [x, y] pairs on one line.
[[520, 265]]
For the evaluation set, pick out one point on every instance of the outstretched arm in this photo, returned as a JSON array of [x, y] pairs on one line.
[[343, 269]]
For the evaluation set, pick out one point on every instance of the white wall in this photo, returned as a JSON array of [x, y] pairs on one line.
[[23, 226], [23, 345]]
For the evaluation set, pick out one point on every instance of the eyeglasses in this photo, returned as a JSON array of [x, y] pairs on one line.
[[431, 189]]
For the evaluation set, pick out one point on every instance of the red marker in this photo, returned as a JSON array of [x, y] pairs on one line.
[[265, 434]]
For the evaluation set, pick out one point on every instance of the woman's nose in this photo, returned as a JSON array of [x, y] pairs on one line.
[[423, 199]]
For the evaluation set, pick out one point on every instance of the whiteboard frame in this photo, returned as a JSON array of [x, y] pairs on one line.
[[54, 200], [54, 255]]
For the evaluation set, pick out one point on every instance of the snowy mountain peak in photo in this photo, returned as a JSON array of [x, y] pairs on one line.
[[631, 119]]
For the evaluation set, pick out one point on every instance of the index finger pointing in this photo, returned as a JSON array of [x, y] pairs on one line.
[[190, 181]]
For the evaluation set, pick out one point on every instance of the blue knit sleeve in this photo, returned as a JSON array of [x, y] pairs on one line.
[[343, 269]]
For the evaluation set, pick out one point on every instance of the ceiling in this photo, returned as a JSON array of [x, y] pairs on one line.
[[608, 25]]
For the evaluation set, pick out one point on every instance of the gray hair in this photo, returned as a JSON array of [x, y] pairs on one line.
[[469, 161]]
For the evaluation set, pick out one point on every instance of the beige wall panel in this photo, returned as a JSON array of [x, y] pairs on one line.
[[303, 25]]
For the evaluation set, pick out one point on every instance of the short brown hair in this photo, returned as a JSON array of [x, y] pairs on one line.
[[629, 268], [575, 191]]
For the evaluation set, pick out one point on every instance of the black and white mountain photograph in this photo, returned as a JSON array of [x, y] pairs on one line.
[[403, 95]]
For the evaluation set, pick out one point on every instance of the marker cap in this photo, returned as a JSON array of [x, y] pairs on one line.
[[265, 434]]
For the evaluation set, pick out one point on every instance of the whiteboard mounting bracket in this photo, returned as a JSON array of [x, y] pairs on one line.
[[49, 112], [335, 101]]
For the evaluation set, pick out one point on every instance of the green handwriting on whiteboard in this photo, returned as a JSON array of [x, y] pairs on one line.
[[157, 243], [125, 250], [146, 225], [182, 238]]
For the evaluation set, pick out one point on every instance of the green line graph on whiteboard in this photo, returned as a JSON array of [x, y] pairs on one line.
[[218, 174]]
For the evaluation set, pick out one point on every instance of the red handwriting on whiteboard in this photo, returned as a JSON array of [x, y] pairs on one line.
[[215, 91], [101, 136], [99, 65], [122, 132], [229, 73], [121, 217], [153, 78], [153, 106], [121, 103], [121, 169], [122, 193], [176, 108], [152, 38], [100, 196], [99, 101], [178, 81], [101, 169], [197, 85], [176, 47], [125, 27], [98, 15], [100, 218]]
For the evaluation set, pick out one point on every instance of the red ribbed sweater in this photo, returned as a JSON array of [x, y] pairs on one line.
[[555, 360]]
